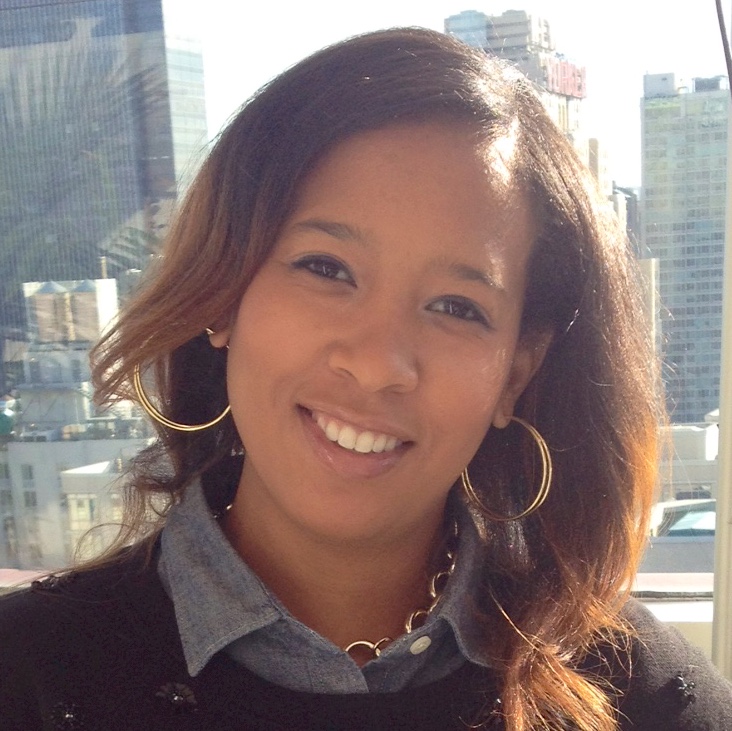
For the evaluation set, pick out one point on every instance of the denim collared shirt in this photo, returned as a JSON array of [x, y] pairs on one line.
[[221, 604]]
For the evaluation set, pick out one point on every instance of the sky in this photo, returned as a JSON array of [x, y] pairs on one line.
[[247, 43]]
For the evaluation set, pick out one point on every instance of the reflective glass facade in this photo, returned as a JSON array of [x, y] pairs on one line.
[[684, 183], [102, 119]]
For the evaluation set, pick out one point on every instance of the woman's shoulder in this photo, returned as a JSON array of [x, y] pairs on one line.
[[75, 593], [69, 636], [88, 608], [670, 684]]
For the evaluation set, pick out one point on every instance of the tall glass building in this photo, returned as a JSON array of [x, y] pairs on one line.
[[684, 167], [102, 119], [101, 112]]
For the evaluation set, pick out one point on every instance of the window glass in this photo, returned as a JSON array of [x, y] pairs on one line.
[[105, 112]]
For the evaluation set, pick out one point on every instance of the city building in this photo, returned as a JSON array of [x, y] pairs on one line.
[[525, 40], [39, 527], [103, 119], [597, 161], [54, 396], [684, 167], [92, 496], [55, 427], [628, 200]]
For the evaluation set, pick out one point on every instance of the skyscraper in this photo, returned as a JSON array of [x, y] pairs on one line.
[[526, 41], [684, 164], [101, 112], [101, 109]]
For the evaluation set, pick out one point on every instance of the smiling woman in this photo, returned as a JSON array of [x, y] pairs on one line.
[[429, 501], [372, 316]]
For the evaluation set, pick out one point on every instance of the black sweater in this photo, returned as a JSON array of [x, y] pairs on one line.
[[100, 652]]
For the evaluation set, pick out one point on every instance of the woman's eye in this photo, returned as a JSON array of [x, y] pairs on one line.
[[325, 267], [460, 308]]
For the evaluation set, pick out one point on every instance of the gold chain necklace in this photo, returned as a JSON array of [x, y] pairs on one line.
[[437, 583]]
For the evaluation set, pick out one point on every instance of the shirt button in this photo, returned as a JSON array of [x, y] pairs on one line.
[[419, 646]]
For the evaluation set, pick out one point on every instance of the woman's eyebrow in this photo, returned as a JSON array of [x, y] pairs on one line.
[[336, 229], [467, 273], [348, 233]]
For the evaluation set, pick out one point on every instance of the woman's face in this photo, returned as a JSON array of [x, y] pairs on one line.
[[380, 340]]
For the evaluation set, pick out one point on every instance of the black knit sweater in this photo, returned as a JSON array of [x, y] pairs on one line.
[[100, 652]]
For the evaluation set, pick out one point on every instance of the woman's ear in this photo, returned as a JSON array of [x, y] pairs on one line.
[[527, 360], [219, 338]]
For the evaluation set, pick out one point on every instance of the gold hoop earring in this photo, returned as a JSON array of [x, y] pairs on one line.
[[542, 492], [155, 414]]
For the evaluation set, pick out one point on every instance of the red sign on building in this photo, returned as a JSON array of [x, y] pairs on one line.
[[562, 77]]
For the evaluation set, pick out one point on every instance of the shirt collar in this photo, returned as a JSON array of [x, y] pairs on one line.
[[219, 599], [458, 606]]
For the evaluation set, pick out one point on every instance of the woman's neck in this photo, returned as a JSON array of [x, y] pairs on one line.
[[344, 591]]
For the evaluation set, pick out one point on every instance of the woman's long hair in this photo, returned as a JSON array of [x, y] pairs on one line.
[[552, 583]]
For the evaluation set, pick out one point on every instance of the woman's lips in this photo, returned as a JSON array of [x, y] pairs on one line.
[[356, 458]]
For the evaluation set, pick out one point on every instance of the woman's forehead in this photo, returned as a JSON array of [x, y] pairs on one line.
[[409, 148]]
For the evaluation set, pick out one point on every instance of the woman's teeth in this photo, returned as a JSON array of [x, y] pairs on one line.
[[348, 438]]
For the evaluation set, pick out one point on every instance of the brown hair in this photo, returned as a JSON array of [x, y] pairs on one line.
[[553, 582]]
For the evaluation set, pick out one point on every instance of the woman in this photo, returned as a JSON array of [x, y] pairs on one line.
[[408, 434]]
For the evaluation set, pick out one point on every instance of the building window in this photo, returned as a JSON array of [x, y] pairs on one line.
[[34, 371], [6, 500], [11, 540], [82, 511], [116, 505], [34, 543], [30, 499], [26, 472], [76, 370]]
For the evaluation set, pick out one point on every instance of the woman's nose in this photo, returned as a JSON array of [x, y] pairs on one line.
[[378, 355]]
